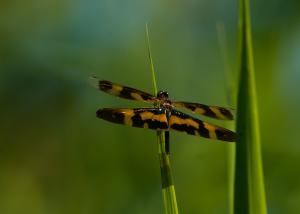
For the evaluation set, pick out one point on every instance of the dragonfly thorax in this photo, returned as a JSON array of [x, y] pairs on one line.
[[163, 97]]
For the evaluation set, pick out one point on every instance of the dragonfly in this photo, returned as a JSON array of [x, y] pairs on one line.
[[164, 116]]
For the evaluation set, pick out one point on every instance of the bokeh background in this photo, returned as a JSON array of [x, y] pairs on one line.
[[57, 157]]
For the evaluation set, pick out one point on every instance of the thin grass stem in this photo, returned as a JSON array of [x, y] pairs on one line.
[[168, 188], [230, 88]]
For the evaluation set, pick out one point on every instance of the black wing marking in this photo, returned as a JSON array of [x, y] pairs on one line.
[[182, 122], [123, 91], [206, 110], [151, 118]]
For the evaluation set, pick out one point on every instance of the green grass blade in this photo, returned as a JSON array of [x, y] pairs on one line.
[[168, 188], [249, 182], [151, 62]]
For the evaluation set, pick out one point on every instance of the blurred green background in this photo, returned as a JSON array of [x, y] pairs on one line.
[[57, 157]]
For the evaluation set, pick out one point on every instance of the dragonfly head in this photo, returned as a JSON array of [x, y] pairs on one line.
[[164, 95]]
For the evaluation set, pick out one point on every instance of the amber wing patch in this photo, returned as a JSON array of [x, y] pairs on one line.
[[151, 118], [209, 111], [124, 91], [182, 122]]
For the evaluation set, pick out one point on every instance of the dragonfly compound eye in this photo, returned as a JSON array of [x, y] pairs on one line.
[[163, 94]]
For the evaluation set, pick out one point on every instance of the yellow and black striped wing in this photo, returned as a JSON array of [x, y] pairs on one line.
[[151, 118], [123, 91], [209, 111], [182, 122]]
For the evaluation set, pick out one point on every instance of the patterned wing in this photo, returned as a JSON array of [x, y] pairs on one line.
[[150, 118], [123, 91], [182, 122], [209, 111]]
